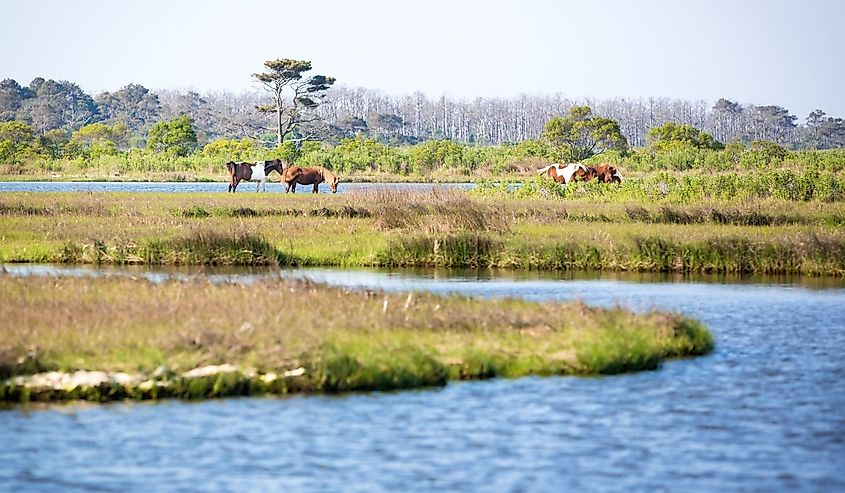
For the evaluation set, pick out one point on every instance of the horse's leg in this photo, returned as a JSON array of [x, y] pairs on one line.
[[235, 184], [316, 187], [293, 186]]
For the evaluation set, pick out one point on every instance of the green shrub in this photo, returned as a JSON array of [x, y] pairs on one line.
[[225, 150]]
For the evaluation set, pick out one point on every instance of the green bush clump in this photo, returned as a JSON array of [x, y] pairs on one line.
[[211, 248], [463, 249], [202, 247]]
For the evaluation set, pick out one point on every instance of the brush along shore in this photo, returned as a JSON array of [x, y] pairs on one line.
[[116, 338], [431, 229]]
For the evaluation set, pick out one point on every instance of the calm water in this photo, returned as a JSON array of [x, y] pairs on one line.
[[765, 412], [246, 187]]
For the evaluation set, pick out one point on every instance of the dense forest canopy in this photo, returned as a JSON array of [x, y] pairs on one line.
[[49, 105]]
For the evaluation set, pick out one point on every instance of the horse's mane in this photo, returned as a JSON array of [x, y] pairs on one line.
[[271, 164]]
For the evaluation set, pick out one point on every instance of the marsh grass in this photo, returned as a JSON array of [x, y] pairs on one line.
[[344, 340], [97, 208], [739, 216], [464, 249], [805, 253], [442, 228], [808, 254], [345, 211], [437, 211], [208, 247], [394, 209], [199, 247]]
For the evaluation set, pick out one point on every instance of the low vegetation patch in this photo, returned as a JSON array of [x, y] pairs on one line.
[[437, 211], [738, 216], [200, 247], [465, 249], [201, 212], [116, 338], [807, 254]]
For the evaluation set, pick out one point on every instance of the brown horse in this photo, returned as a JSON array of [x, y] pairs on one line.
[[306, 176], [253, 172], [607, 173]]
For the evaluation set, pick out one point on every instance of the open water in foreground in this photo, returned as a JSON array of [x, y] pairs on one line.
[[764, 412]]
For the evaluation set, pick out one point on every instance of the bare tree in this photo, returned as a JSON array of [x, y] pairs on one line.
[[294, 96]]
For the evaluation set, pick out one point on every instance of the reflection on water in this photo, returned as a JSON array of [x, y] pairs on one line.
[[410, 278], [764, 412], [411, 275]]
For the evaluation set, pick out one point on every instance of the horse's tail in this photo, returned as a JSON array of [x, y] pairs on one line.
[[291, 172], [545, 170]]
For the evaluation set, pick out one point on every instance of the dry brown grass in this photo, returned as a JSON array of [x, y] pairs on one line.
[[136, 325], [436, 211], [475, 212]]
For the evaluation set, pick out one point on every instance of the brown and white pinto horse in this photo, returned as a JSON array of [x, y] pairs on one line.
[[605, 173], [306, 176], [252, 172], [568, 173]]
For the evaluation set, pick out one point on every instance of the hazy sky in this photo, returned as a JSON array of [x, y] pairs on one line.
[[789, 53]]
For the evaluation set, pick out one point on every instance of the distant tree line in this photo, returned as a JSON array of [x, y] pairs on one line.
[[500, 120], [56, 109]]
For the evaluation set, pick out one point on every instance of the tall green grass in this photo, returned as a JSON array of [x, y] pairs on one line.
[[200, 247], [807, 254], [464, 249]]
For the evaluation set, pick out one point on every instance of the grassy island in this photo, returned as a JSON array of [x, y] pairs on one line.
[[117, 338]]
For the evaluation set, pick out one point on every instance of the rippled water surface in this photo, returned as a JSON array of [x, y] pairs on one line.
[[245, 187], [764, 412]]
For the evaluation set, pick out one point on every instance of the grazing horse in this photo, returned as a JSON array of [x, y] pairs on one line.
[[568, 173], [607, 173], [253, 172], [306, 176]]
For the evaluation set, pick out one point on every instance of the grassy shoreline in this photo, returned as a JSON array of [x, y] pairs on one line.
[[197, 339], [423, 229], [194, 177]]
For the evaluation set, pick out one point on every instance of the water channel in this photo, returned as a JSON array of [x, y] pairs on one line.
[[764, 412]]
